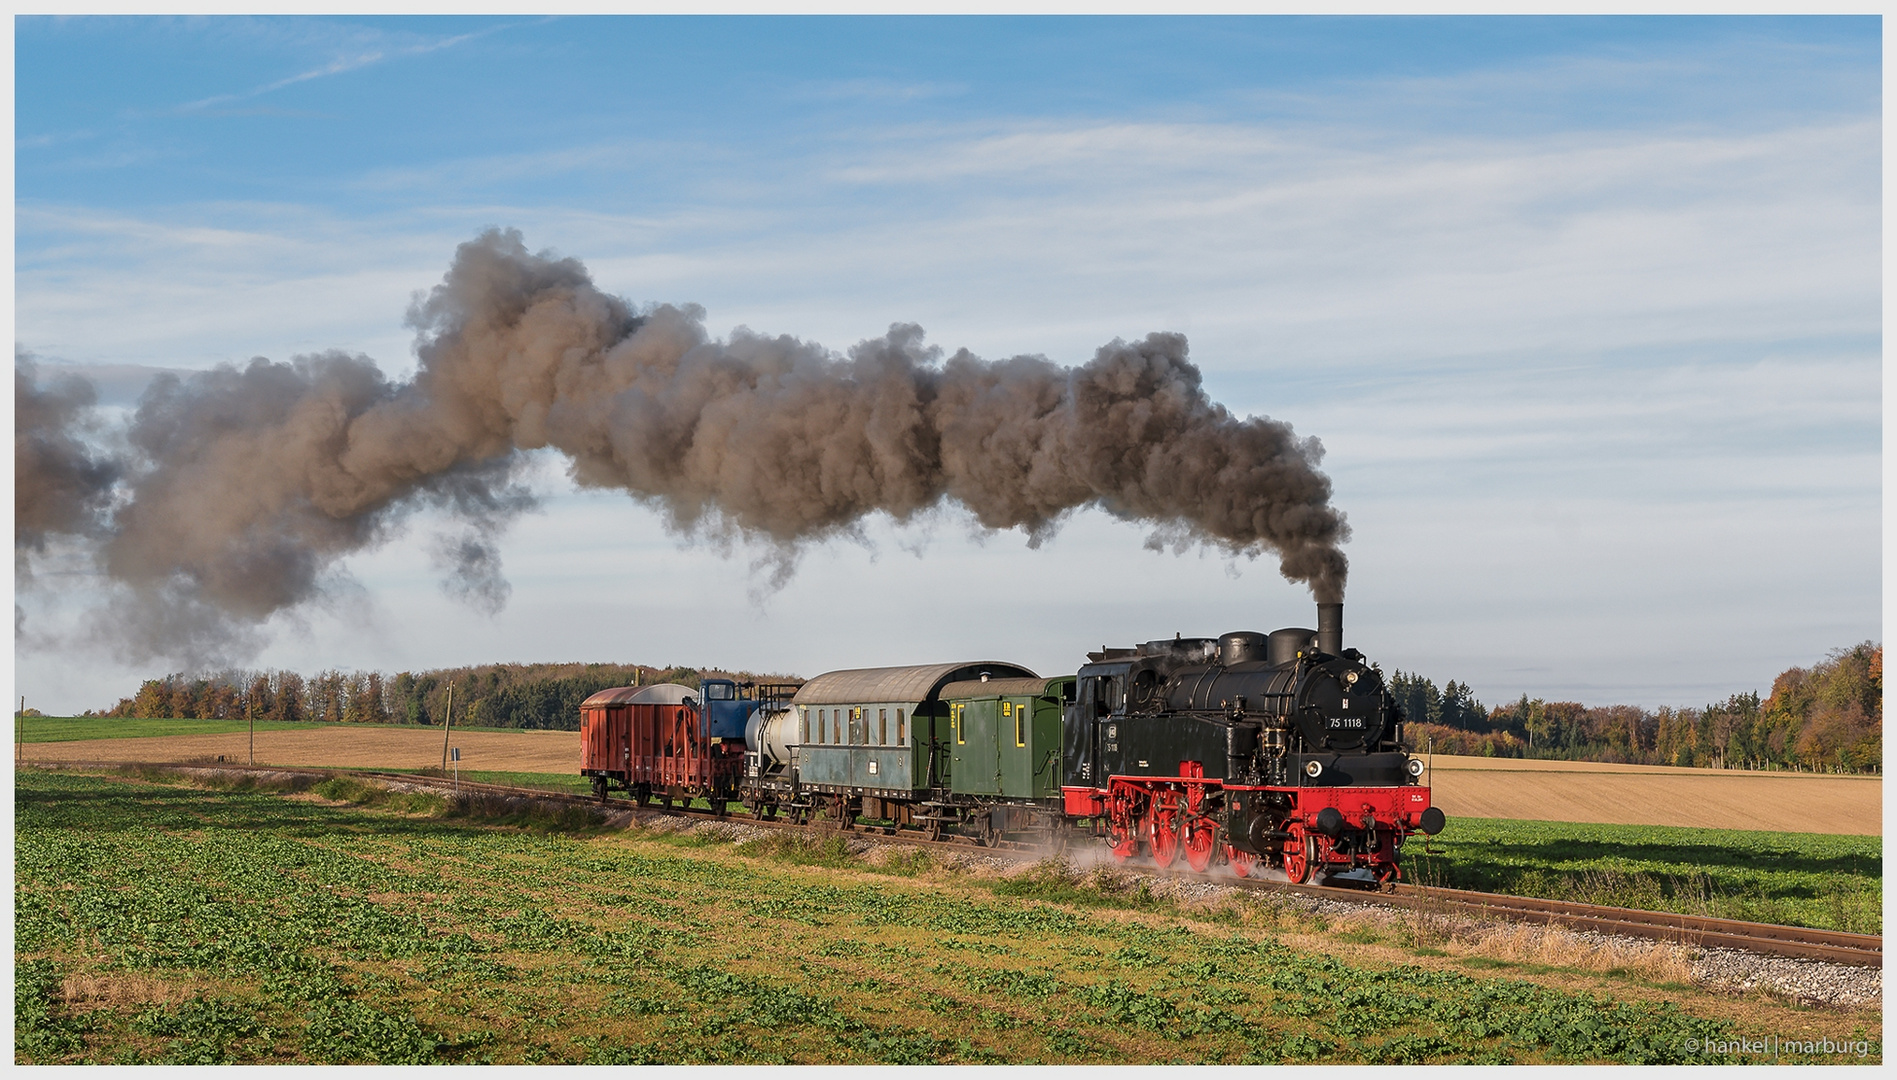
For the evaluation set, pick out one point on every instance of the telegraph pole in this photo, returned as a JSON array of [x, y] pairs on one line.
[[446, 723]]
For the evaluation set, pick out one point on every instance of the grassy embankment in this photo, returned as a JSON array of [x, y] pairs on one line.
[[160, 922], [1795, 879]]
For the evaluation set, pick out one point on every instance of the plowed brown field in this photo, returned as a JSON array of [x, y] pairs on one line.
[[1657, 795], [341, 747], [1463, 786]]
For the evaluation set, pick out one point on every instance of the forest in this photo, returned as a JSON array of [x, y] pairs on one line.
[[543, 696], [1828, 717]]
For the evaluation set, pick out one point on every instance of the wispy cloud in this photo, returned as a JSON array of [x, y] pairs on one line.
[[340, 65], [42, 142]]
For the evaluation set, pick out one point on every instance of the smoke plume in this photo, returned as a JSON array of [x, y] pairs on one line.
[[244, 487], [60, 484]]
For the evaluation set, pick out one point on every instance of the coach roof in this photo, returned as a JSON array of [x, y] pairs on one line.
[[974, 688], [917, 683]]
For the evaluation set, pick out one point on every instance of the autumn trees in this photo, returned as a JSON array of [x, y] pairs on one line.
[[495, 695]]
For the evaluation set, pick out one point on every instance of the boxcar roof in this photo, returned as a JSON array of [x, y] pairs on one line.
[[656, 694], [917, 683], [995, 688]]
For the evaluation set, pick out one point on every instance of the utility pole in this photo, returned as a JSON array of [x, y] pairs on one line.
[[250, 714], [446, 723]]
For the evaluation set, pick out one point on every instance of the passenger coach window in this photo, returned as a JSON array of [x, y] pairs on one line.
[[900, 734], [882, 727], [822, 719], [1020, 725]]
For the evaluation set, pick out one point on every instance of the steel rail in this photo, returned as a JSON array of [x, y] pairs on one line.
[[1797, 942]]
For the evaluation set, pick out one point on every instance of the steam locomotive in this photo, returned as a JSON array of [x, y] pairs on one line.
[[1249, 750]]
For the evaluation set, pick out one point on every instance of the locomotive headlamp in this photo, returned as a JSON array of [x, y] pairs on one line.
[[1415, 766], [1312, 768], [1350, 678]]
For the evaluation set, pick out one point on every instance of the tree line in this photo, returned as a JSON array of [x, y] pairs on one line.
[[541, 696], [1827, 718]]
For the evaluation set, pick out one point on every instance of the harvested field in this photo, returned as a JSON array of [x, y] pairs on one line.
[[1611, 794], [340, 747]]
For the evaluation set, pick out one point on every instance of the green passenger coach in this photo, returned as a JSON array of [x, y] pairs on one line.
[[876, 743], [1006, 736]]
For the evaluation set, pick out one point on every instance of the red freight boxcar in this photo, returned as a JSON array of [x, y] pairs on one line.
[[650, 741]]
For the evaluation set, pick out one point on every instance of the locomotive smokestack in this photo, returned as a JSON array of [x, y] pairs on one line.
[[1330, 628]]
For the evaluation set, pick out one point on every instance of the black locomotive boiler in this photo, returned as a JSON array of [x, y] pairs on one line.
[[1282, 749]]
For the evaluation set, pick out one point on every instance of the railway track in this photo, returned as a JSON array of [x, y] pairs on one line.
[[1838, 947], [1804, 943]]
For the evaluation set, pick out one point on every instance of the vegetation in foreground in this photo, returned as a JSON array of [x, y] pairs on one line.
[[162, 923], [1793, 879]]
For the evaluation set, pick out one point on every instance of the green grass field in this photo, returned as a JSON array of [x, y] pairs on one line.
[[1795, 879], [157, 922], [39, 729]]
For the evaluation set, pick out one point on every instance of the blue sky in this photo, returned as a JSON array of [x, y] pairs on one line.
[[1585, 311]]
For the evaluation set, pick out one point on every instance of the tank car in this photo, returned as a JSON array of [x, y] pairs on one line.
[[1279, 749]]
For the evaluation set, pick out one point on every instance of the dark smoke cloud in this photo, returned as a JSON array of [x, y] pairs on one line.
[[60, 483], [250, 484]]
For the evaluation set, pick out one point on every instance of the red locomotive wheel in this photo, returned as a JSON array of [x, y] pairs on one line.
[[1297, 859], [1162, 832], [1244, 864], [1201, 842]]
